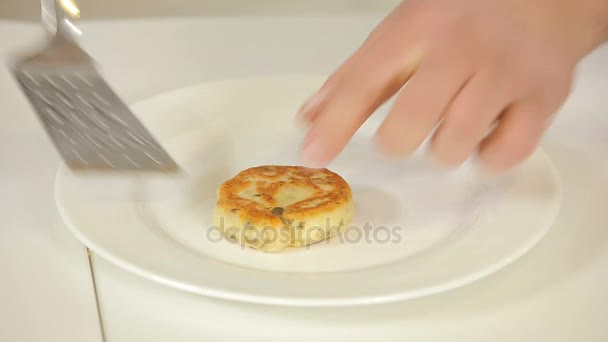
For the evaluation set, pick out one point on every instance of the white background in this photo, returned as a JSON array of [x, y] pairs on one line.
[[558, 292]]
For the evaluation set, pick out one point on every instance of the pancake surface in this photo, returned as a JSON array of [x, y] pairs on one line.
[[273, 207]]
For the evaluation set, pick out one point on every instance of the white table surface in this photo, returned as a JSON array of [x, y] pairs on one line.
[[558, 292], [46, 292]]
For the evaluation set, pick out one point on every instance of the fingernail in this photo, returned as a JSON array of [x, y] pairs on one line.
[[312, 153], [308, 108]]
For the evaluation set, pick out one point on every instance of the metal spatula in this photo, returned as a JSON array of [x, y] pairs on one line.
[[88, 123]]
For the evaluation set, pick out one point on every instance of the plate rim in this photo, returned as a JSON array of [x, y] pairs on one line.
[[231, 295]]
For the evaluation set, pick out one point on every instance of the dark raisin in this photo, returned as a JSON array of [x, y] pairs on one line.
[[278, 211]]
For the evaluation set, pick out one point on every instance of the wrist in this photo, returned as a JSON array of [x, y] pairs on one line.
[[604, 21], [597, 24], [576, 27]]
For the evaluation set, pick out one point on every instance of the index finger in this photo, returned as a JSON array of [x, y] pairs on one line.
[[369, 78]]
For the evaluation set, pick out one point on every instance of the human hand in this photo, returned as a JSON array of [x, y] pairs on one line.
[[491, 74]]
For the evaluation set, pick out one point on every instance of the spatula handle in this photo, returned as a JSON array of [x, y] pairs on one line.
[[58, 16]]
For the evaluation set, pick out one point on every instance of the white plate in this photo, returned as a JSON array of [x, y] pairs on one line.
[[426, 232]]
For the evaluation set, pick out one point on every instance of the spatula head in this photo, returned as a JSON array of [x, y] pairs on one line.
[[88, 123]]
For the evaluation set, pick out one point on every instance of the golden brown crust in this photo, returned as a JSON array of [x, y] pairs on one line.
[[254, 194]]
